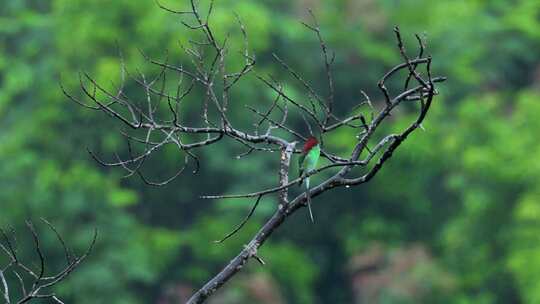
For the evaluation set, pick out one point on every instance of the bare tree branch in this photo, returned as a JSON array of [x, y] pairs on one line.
[[206, 71], [41, 282]]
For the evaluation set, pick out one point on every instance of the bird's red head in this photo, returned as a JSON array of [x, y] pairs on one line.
[[310, 143]]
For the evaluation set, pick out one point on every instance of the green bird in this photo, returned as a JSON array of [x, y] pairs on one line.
[[307, 163]]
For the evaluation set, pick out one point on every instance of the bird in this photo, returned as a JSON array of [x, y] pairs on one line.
[[307, 163]]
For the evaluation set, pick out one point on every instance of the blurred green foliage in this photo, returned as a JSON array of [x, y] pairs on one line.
[[463, 194]]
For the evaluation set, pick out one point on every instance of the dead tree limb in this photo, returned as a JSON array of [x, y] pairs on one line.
[[155, 124], [34, 283]]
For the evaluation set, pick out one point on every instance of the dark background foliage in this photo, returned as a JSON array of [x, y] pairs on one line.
[[452, 218]]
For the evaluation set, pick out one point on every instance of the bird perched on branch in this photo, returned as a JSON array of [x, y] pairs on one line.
[[307, 163]]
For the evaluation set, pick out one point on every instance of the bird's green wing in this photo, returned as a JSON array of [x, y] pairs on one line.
[[311, 158]]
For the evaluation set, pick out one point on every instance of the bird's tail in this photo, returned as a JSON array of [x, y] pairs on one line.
[[308, 200]]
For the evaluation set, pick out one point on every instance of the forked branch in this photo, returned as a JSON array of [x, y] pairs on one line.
[[153, 125], [34, 283]]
